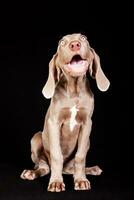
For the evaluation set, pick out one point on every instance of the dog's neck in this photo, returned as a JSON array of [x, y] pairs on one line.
[[74, 85]]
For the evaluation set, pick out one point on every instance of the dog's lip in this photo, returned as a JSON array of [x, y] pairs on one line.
[[77, 65], [76, 59]]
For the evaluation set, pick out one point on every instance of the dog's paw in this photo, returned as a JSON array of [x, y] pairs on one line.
[[82, 184], [56, 187], [28, 174], [96, 171]]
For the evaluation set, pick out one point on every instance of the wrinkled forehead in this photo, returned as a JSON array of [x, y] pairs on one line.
[[74, 36]]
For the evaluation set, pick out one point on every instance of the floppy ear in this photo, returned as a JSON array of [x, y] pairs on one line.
[[53, 77], [97, 73]]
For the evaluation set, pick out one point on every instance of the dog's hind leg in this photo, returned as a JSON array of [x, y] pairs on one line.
[[69, 169], [95, 170], [38, 157]]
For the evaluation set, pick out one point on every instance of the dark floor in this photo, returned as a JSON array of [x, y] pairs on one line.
[[108, 186]]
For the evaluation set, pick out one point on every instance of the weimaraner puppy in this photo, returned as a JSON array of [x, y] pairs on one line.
[[63, 144]]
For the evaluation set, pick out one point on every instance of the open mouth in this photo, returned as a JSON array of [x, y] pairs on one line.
[[77, 65], [76, 60]]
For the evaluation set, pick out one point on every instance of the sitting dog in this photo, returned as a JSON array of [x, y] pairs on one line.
[[63, 144]]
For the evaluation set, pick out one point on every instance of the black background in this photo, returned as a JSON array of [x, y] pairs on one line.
[[29, 38]]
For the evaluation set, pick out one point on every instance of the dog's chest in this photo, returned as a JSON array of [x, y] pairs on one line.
[[71, 117], [73, 121]]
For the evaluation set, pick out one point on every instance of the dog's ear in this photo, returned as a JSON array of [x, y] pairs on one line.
[[53, 78], [96, 72]]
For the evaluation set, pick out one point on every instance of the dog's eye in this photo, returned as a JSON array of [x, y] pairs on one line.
[[62, 42], [83, 38]]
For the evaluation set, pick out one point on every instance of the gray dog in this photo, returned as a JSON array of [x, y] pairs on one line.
[[63, 144]]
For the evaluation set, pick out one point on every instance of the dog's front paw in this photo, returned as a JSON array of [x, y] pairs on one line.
[[56, 187], [28, 174], [82, 184]]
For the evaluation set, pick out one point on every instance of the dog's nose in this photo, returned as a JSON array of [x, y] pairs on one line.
[[75, 45]]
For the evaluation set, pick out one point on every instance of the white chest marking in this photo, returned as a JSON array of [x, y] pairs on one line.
[[73, 121]]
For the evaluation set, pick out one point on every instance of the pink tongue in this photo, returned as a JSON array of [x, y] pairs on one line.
[[76, 62]]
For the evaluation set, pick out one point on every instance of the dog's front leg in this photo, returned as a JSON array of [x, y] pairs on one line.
[[56, 180], [80, 180]]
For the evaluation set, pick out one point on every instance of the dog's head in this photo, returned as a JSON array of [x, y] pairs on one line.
[[74, 57]]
